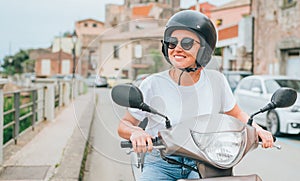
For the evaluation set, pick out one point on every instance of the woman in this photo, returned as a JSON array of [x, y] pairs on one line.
[[185, 91]]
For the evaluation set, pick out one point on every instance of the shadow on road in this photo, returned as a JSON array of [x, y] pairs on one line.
[[289, 136]]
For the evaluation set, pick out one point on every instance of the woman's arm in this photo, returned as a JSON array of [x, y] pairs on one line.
[[128, 129], [266, 136]]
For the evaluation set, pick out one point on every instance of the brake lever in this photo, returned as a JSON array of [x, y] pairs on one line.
[[274, 145]]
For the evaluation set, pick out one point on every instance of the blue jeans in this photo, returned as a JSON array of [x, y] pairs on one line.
[[155, 168]]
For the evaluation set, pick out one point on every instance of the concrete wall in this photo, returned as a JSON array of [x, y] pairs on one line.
[[277, 28]]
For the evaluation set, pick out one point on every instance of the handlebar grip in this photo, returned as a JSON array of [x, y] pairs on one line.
[[127, 144], [274, 139]]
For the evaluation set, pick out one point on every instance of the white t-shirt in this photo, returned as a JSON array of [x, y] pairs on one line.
[[211, 94]]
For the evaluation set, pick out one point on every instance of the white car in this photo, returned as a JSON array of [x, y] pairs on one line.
[[254, 92], [96, 81], [112, 80]]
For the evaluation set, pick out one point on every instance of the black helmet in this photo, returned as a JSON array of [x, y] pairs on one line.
[[197, 23]]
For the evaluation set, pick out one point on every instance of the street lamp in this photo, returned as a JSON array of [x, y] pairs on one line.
[[74, 39], [12, 63]]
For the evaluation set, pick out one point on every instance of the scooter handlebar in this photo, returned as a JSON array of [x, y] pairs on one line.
[[260, 140], [127, 144], [274, 145]]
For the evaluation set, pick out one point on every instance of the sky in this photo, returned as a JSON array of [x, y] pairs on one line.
[[34, 23]]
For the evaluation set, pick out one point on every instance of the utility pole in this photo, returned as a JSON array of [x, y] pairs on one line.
[[59, 54], [196, 6]]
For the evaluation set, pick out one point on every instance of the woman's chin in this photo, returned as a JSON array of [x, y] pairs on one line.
[[179, 66]]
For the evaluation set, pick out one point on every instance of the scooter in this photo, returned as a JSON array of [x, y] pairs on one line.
[[217, 142]]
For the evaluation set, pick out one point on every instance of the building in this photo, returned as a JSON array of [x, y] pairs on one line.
[[125, 54], [139, 9], [234, 26], [204, 8], [48, 64], [276, 36], [87, 31], [66, 45], [131, 45]]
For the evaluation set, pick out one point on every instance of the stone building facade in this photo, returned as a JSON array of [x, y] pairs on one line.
[[276, 37], [87, 31]]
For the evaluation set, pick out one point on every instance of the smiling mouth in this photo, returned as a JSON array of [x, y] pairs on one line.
[[179, 56]]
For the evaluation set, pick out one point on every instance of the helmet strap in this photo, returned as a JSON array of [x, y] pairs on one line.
[[188, 69], [179, 79]]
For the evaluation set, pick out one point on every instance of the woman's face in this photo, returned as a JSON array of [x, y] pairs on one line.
[[180, 57]]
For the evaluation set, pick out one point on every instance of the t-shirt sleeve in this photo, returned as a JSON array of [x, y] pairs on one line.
[[146, 91], [229, 100]]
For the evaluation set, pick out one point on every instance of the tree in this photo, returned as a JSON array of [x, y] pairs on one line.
[[157, 58], [14, 64]]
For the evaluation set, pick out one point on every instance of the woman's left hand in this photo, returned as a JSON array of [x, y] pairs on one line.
[[266, 137]]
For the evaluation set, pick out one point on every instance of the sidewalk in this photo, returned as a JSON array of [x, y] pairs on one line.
[[56, 152]]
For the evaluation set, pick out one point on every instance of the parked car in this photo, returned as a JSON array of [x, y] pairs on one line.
[[254, 92], [139, 79], [97, 81], [233, 77], [31, 76], [113, 80], [70, 77], [58, 76]]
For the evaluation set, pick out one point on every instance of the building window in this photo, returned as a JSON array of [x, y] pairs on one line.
[[288, 4], [294, 53], [219, 22], [85, 25], [138, 51], [116, 51], [94, 25]]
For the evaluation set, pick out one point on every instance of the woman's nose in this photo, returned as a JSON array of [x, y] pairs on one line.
[[178, 47]]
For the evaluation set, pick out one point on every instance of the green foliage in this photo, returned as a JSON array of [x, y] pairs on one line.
[[157, 59], [15, 64], [67, 34], [29, 65], [218, 52], [24, 124]]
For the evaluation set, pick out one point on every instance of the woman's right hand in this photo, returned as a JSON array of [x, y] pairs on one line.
[[141, 141]]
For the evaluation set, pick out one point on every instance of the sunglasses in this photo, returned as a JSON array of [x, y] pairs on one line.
[[185, 43]]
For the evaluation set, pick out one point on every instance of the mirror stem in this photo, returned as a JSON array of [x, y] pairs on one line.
[[269, 106], [250, 120], [147, 108], [168, 123]]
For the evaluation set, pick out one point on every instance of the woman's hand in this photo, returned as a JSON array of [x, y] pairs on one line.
[[141, 141], [266, 137]]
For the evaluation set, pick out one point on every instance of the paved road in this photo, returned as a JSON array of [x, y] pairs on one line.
[[108, 162], [273, 164]]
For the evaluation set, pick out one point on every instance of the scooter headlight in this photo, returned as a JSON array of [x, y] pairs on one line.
[[224, 148]]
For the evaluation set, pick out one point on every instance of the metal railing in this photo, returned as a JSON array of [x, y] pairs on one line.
[[20, 111], [24, 109]]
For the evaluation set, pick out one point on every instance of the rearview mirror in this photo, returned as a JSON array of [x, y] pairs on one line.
[[284, 97], [131, 96], [127, 95]]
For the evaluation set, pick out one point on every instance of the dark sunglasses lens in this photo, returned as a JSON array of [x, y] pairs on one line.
[[187, 43], [172, 42]]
